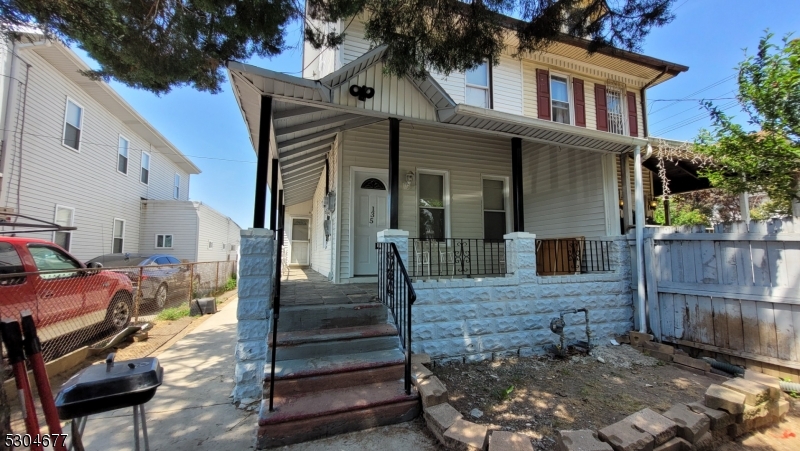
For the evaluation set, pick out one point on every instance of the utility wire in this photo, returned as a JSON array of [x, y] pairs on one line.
[[688, 109], [712, 85], [693, 119]]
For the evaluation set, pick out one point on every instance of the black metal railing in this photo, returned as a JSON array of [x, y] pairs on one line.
[[276, 311], [561, 256], [397, 294], [457, 257]]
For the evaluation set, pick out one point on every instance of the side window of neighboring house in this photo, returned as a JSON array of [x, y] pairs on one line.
[[73, 125], [211, 245], [478, 86], [233, 247], [122, 155], [432, 204], [163, 241], [65, 217], [494, 209], [118, 243], [176, 190], [144, 177]]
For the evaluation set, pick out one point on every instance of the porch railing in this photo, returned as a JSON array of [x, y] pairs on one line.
[[562, 256], [276, 311], [397, 294], [457, 257]]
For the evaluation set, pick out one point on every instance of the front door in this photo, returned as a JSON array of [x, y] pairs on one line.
[[370, 217], [299, 247]]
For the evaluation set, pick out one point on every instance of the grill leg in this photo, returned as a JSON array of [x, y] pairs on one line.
[[136, 427], [144, 428], [76, 443]]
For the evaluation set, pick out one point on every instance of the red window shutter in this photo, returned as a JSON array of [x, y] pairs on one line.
[[633, 123], [601, 107], [580, 102], [543, 93]]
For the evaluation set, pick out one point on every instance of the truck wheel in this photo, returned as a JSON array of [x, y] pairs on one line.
[[119, 311], [161, 296]]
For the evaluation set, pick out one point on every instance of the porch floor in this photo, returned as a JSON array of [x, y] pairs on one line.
[[304, 286]]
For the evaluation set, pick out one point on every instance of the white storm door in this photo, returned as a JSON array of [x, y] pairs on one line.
[[299, 254], [370, 217]]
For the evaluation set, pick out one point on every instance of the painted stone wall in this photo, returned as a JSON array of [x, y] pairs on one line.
[[475, 319], [254, 313]]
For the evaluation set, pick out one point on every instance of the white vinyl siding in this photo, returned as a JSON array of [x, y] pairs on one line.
[[466, 156], [51, 172], [507, 85], [216, 232], [562, 191], [321, 251], [354, 44], [180, 219]]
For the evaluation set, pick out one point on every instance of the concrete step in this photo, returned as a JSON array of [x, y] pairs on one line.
[[335, 363], [342, 333], [344, 379], [336, 347], [310, 317], [316, 415]]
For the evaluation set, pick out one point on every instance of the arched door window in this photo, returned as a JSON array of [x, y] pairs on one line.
[[373, 184]]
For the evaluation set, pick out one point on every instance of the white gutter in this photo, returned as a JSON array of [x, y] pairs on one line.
[[10, 99], [639, 215]]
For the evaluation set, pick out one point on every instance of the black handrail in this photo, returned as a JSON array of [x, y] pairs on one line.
[[458, 257], [397, 294], [276, 313]]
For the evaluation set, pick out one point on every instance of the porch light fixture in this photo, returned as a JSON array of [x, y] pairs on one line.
[[621, 204], [409, 180], [362, 92], [653, 204]]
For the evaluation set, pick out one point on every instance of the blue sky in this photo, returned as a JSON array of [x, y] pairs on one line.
[[708, 36]]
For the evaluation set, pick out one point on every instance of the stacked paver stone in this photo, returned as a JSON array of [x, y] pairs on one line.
[[754, 402]]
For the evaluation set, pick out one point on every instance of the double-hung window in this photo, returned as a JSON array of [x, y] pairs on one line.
[[432, 205], [73, 125], [118, 240], [494, 209], [163, 241], [65, 217], [144, 177], [478, 82], [122, 155], [559, 99], [616, 110], [176, 189]]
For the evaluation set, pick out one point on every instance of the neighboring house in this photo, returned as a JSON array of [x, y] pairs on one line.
[[189, 230], [76, 154]]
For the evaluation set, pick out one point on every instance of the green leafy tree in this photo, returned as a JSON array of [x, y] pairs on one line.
[[766, 159], [158, 44]]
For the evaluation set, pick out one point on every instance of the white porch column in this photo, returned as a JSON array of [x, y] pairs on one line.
[[254, 313], [400, 239], [522, 256], [639, 200]]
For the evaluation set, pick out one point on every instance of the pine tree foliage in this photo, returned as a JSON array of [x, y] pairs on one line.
[[158, 44]]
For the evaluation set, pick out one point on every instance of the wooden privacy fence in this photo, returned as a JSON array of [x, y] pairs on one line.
[[735, 291]]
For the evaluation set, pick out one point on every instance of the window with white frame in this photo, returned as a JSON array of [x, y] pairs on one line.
[[211, 245], [73, 125], [122, 155], [163, 241], [478, 82], [65, 217], [616, 109], [118, 243], [145, 174], [559, 99], [494, 208], [176, 190], [432, 194]]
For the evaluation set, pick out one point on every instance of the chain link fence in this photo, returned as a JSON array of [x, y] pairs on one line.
[[75, 308]]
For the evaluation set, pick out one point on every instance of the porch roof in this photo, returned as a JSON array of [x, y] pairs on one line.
[[307, 115]]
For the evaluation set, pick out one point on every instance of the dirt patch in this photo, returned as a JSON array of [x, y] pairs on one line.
[[537, 396]]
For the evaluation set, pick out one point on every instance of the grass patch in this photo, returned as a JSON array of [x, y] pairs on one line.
[[174, 313]]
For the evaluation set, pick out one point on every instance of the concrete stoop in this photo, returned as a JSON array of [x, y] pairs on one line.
[[729, 410], [339, 368]]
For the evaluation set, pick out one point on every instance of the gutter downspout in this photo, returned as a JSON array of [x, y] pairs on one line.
[[643, 100], [639, 215]]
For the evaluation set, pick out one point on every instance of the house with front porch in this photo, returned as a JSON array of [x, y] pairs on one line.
[[492, 200]]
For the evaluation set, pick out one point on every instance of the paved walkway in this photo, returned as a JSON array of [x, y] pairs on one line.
[[307, 287], [192, 409]]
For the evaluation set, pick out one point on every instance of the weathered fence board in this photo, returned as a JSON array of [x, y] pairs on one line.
[[736, 291]]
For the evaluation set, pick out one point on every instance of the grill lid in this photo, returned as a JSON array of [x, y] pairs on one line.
[[112, 379]]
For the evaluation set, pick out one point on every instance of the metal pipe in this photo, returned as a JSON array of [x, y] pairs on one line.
[[639, 217]]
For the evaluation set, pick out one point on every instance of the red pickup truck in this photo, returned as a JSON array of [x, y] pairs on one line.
[[61, 292]]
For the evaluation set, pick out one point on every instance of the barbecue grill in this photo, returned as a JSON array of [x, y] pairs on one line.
[[115, 385]]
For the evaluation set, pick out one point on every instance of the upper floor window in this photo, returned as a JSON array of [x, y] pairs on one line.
[[122, 155], [478, 80], [176, 190], [73, 125], [144, 177], [559, 99], [615, 110]]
